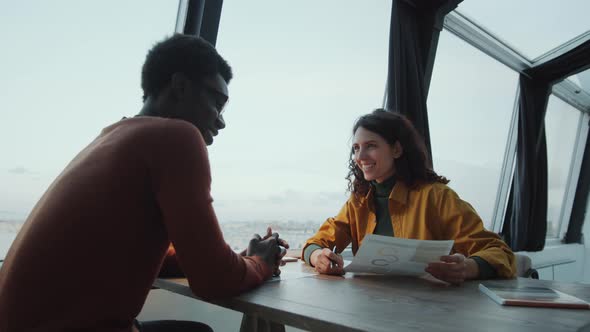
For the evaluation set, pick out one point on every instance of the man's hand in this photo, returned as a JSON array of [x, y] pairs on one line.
[[282, 242], [327, 262], [454, 269], [270, 248]]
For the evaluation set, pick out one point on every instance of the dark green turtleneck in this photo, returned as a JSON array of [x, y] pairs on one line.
[[381, 201]]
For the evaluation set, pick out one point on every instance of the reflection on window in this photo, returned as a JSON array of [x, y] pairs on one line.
[[561, 127], [470, 104], [301, 79], [69, 69]]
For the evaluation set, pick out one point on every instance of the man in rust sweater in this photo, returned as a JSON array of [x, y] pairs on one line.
[[92, 246]]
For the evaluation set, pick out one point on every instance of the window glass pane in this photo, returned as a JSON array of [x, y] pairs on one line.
[[304, 71], [69, 68], [531, 26], [561, 127], [470, 104]]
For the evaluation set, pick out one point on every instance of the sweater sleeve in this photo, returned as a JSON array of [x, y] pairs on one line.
[[309, 249], [181, 180], [461, 223], [486, 271]]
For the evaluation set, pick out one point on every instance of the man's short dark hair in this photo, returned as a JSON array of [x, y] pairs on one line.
[[190, 55]]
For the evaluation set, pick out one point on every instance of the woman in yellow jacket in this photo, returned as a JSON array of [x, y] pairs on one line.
[[395, 192]]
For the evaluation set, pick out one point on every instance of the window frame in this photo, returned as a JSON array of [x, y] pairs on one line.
[[574, 174], [468, 30]]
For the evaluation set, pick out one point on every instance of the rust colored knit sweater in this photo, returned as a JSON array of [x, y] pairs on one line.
[[93, 245]]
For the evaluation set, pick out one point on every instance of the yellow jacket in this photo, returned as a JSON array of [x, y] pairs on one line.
[[427, 212]]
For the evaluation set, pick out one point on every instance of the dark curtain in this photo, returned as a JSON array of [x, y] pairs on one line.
[[202, 19], [574, 229], [194, 17], [526, 216], [211, 17], [413, 38], [525, 223]]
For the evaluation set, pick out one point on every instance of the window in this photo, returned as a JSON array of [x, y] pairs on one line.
[[304, 71], [69, 69], [469, 89], [531, 26], [582, 80], [561, 128]]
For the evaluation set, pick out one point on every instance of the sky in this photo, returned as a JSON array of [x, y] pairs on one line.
[[304, 71]]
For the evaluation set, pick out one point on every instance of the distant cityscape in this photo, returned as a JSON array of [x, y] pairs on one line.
[[236, 234]]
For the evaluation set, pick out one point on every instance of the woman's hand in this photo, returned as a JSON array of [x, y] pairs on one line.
[[454, 269], [327, 262]]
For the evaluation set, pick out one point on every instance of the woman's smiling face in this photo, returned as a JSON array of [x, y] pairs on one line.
[[373, 155]]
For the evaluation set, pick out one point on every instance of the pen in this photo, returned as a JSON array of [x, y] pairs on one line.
[[334, 264]]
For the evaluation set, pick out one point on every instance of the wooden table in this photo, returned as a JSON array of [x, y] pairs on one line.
[[379, 303]]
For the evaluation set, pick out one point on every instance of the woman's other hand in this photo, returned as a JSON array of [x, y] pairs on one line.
[[454, 269]]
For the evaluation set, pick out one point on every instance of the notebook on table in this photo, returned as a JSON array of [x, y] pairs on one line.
[[531, 296]]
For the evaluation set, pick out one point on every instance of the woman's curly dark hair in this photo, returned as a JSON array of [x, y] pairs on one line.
[[412, 167]]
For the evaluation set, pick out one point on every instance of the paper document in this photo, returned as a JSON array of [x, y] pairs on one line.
[[396, 256]]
